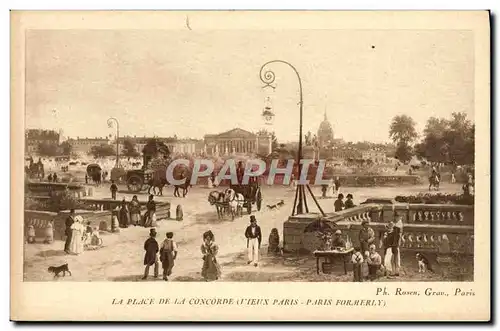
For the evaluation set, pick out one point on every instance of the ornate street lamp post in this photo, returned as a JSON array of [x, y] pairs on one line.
[[110, 125], [268, 77]]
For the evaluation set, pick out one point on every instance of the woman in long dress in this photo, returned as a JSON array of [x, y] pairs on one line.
[[211, 269], [135, 211], [392, 257], [77, 232], [124, 214]]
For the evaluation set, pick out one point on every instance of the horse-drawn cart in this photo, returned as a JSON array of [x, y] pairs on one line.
[[234, 199], [252, 194]]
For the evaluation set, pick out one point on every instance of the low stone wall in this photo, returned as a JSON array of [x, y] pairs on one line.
[[40, 220], [424, 226], [45, 189], [102, 211]]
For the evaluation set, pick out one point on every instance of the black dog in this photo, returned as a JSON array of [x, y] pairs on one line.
[[281, 203], [271, 207], [57, 270], [423, 263]]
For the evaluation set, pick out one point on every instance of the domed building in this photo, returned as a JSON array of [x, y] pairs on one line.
[[325, 133]]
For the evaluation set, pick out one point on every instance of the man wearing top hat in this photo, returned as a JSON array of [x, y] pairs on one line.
[[151, 255], [366, 237], [254, 238]]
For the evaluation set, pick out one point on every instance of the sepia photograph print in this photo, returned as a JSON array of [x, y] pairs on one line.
[[176, 166]]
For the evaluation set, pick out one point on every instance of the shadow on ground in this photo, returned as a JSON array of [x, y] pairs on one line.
[[300, 268], [51, 252]]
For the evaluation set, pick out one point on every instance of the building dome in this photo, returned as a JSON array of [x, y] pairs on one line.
[[325, 133]]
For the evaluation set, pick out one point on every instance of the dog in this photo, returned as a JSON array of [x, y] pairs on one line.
[[57, 270], [271, 207], [281, 203], [423, 263]]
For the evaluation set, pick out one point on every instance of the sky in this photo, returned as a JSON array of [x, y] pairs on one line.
[[192, 83]]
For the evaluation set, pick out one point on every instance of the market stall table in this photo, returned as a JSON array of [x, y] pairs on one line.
[[332, 255]]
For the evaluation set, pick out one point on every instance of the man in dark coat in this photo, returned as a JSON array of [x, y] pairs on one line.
[[150, 257], [113, 188], [69, 222], [339, 203], [254, 238]]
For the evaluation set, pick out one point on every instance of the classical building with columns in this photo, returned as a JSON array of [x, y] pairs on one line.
[[238, 141]]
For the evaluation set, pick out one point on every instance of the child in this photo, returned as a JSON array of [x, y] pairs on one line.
[[357, 262], [31, 234], [49, 233], [274, 242], [150, 257], [95, 239], [374, 263], [113, 188], [168, 253]]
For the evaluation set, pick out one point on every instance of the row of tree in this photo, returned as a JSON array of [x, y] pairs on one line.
[[50, 149], [448, 141]]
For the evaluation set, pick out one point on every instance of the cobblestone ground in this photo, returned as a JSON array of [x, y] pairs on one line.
[[121, 257]]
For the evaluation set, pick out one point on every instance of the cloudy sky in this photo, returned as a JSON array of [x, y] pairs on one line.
[[190, 83]]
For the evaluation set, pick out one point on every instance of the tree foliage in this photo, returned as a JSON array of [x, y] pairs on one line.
[[403, 152], [102, 150], [448, 140], [129, 149], [48, 149], [66, 148], [402, 130]]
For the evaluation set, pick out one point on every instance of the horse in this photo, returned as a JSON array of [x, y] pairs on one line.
[[185, 187], [434, 182], [217, 198], [157, 183], [235, 200]]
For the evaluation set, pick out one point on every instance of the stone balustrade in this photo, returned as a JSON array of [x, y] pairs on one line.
[[40, 220], [430, 213], [99, 210], [424, 226]]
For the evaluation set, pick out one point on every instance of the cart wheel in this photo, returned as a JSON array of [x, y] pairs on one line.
[[134, 183], [249, 207], [259, 200]]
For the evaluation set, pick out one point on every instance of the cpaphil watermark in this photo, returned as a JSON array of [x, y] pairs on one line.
[[243, 172]]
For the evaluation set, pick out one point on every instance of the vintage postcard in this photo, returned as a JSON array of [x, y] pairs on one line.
[[250, 166]]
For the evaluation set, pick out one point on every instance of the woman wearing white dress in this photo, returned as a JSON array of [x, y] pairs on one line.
[[77, 232]]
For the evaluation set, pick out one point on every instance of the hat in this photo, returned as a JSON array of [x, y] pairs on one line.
[[252, 218], [338, 232], [152, 231]]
